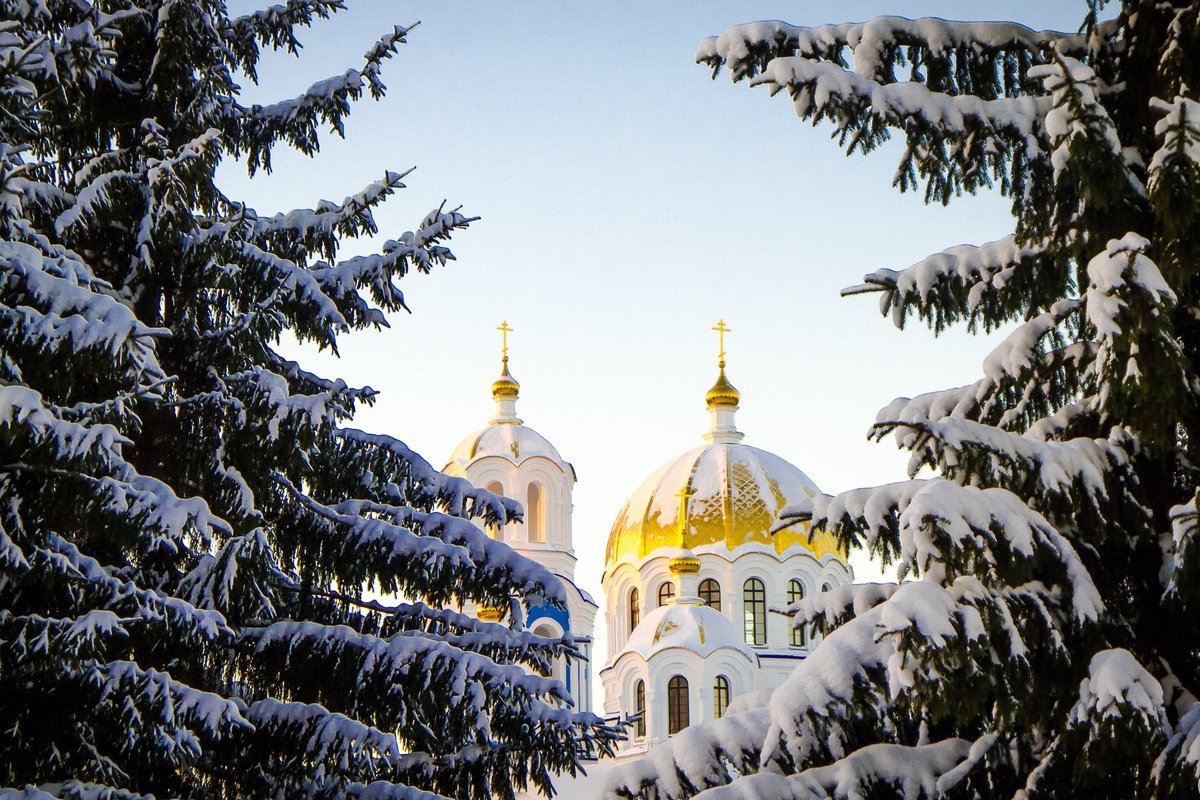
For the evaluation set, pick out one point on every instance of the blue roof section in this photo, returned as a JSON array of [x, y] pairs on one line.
[[543, 611]]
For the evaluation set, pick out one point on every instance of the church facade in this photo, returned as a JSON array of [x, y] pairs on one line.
[[692, 568]]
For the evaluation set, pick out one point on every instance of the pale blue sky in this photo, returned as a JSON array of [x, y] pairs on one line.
[[627, 203]]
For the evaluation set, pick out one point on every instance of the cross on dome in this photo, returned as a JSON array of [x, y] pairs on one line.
[[505, 389], [721, 331], [722, 399]]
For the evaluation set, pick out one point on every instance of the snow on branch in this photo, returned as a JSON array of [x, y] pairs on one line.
[[987, 285], [914, 773], [417, 551], [126, 598], [830, 609], [1116, 685], [466, 632], [695, 759], [1179, 130], [492, 560], [22, 407], [1181, 565], [467, 688], [1177, 770], [256, 130], [320, 229], [876, 45], [942, 530], [274, 27], [71, 790], [425, 486], [820, 90], [1077, 473], [59, 301]]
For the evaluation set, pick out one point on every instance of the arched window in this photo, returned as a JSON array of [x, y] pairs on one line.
[[754, 600], [635, 609], [495, 488], [795, 595], [720, 696], [665, 592], [639, 708], [710, 593], [827, 587], [535, 514], [677, 704]]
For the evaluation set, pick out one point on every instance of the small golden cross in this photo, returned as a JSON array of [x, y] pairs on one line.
[[504, 332], [683, 495], [721, 331]]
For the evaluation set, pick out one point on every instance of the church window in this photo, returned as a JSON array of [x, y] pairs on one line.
[[720, 696], [635, 609], [754, 600], [827, 587], [639, 708], [535, 513], [677, 704], [794, 595], [710, 593], [665, 592]]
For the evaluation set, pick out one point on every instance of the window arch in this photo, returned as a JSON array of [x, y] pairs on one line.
[[720, 696], [666, 591], [826, 587], [535, 513], [639, 708], [710, 593], [754, 601], [635, 609], [795, 594], [677, 704]]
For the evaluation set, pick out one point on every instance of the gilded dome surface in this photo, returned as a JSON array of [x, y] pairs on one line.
[[736, 492]]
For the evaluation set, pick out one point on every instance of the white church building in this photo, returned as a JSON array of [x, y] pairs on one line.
[[509, 458], [692, 569]]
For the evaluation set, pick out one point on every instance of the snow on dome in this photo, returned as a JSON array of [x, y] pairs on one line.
[[737, 492], [693, 627], [513, 442]]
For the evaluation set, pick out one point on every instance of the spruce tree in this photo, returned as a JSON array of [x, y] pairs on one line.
[[193, 539], [1043, 640]]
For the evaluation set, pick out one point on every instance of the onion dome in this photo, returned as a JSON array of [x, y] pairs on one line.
[[506, 385], [720, 497], [722, 392], [506, 435], [736, 492]]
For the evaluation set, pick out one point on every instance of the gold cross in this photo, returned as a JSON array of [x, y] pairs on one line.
[[504, 332], [683, 495], [721, 331]]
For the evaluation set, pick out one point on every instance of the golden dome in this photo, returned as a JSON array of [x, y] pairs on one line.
[[722, 392], [736, 492], [506, 385]]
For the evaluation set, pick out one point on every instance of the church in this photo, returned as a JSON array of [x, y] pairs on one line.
[[692, 569]]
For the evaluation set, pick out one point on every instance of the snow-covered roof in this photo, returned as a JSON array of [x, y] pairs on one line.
[[514, 442], [693, 627]]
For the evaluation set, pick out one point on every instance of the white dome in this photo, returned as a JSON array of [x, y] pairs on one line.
[[690, 626], [510, 441]]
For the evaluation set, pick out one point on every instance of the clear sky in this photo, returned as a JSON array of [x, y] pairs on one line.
[[627, 202]]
